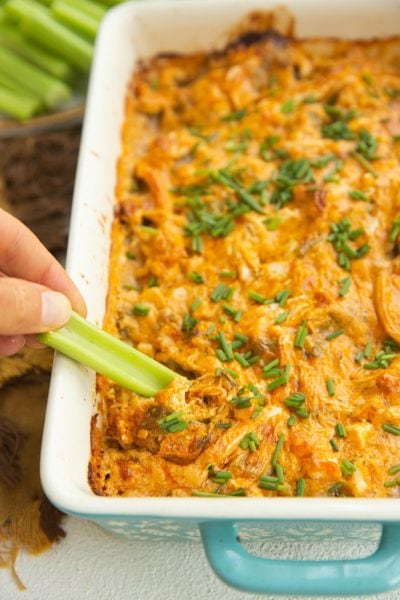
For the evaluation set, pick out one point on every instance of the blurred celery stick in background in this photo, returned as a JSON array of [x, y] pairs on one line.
[[12, 39], [88, 7], [50, 90], [19, 106], [75, 18], [46, 46], [13, 86], [37, 23]]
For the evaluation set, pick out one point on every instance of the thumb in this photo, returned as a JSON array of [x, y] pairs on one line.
[[27, 307]]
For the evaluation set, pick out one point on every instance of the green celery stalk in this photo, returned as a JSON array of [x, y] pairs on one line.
[[50, 90], [37, 23], [18, 106], [86, 343], [12, 39], [75, 18], [88, 7], [111, 2], [17, 88]]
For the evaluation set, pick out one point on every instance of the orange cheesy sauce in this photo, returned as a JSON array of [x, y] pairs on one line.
[[256, 253]]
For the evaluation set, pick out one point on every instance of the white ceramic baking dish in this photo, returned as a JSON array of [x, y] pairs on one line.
[[140, 30]]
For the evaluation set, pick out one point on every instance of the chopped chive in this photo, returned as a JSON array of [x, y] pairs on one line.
[[282, 296], [222, 476], [196, 277], [392, 483], [258, 298], [153, 281], [253, 359], [239, 492], [291, 421], [394, 470], [347, 468], [364, 163], [197, 244], [277, 450], [250, 442], [270, 365], [195, 304], [334, 445], [173, 423], [300, 487], [280, 380], [241, 360], [223, 425], [130, 255], [235, 116], [231, 274], [330, 386], [202, 494], [269, 478], [336, 488], [301, 335], [358, 195], [148, 229], [345, 284], [395, 230], [279, 473], [281, 317], [222, 291], [296, 400], [221, 355], [272, 223], [301, 412], [189, 323], [340, 430], [334, 334], [225, 346], [288, 106], [241, 338], [393, 429], [230, 373], [256, 412], [210, 330], [141, 310]]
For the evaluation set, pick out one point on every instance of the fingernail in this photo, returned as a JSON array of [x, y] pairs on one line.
[[56, 309]]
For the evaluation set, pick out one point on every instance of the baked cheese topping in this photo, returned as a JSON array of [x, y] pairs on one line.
[[256, 252]]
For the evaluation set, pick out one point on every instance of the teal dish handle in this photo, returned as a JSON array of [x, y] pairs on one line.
[[377, 573]]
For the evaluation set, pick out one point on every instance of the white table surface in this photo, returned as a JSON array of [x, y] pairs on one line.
[[91, 564]]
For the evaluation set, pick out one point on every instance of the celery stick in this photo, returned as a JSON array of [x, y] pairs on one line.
[[88, 7], [111, 2], [17, 106], [99, 350], [75, 19], [38, 24], [52, 91], [10, 84], [13, 40]]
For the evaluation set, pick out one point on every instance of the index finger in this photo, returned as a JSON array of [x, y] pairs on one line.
[[22, 255]]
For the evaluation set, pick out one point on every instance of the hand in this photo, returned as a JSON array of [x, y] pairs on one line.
[[36, 294]]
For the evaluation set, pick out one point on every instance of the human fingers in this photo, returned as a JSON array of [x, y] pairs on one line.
[[22, 255], [11, 344], [27, 307]]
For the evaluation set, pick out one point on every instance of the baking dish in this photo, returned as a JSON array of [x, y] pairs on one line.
[[130, 32]]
